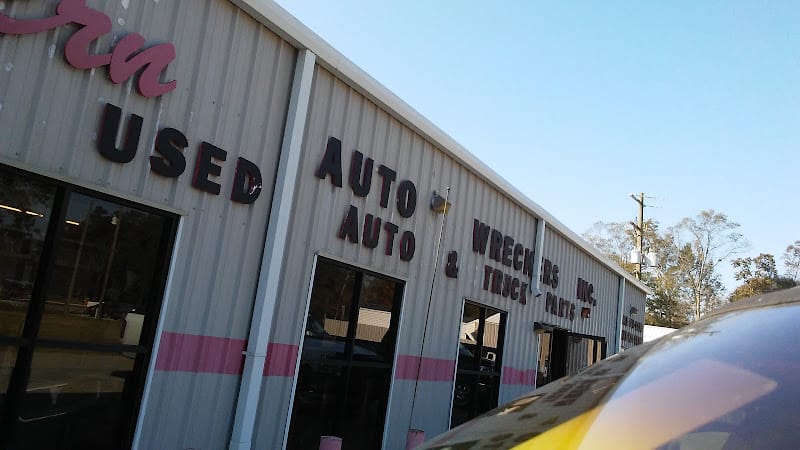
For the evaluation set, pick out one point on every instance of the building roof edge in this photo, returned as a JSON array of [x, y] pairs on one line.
[[288, 27]]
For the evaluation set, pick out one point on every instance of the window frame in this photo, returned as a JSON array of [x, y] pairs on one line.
[[349, 363], [497, 374], [28, 341]]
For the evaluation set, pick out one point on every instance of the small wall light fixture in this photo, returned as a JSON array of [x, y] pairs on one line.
[[439, 204]]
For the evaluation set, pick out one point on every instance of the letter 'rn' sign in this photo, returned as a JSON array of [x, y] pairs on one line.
[[123, 61]]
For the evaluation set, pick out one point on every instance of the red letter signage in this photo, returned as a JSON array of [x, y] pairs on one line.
[[121, 62]]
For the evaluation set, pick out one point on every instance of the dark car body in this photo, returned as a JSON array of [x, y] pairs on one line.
[[727, 382]]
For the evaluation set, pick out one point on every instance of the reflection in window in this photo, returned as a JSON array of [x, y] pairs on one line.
[[376, 302], [81, 390], [8, 356], [79, 298], [103, 270], [346, 361], [24, 215], [480, 351]]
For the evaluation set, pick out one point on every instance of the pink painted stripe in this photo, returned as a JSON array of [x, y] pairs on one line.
[[281, 360], [180, 352], [430, 369], [520, 377]]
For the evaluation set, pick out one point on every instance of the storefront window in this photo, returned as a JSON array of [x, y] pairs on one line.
[[103, 270], [81, 282], [480, 351], [25, 207], [8, 355], [346, 362]]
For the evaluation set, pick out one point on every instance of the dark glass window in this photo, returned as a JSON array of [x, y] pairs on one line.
[[103, 270], [25, 207], [480, 351], [8, 354], [81, 281], [346, 362]]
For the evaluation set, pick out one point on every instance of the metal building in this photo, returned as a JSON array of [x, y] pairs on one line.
[[217, 232]]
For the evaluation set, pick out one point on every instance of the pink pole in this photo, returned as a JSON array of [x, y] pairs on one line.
[[414, 439], [330, 443]]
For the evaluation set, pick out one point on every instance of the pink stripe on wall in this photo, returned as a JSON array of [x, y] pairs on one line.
[[281, 360], [200, 354], [179, 352], [521, 377], [430, 369]]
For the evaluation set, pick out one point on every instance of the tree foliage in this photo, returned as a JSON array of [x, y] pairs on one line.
[[616, 240], [686, 282], [706, 241], [791, 259], [758, 275]]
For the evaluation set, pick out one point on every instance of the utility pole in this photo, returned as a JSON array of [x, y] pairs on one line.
[[639, 228]]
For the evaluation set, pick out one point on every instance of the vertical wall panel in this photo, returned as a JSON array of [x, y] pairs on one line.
[[233, 81], [633, 313], [234, 77], [339, 111], [574, 263]]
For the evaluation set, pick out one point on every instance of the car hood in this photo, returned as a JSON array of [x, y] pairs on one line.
[[729, 377]]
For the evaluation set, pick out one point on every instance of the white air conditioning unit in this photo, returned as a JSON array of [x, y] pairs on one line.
[[652, 259], [636, 256]]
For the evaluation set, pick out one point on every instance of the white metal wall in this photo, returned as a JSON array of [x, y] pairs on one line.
[[337, 110], [633, 313], [234, 77], [574, 263], [50, 116]]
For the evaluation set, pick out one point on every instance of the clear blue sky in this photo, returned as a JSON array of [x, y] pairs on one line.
[[579, 104]]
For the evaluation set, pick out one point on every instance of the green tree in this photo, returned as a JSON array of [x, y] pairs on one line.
[[791, 259], [758, 275], [615, 240], [667, 306], [705, 241], [686, 283]]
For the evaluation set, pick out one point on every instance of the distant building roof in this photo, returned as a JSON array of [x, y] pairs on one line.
[[652, 332]]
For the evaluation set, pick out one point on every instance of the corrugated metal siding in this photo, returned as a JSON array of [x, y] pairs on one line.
[[573, 263], [194, 412], [578, 355], [338, 111], [636, 299], [234, 78]]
